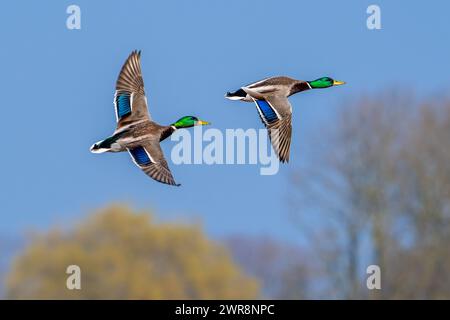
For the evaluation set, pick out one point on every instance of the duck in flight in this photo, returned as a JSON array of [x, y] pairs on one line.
[[136, 132], [270, 96]]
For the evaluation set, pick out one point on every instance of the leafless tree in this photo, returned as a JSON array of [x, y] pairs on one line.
[[379, 188]]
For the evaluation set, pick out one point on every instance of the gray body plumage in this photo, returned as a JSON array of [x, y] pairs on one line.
[[135, 134], [280, 86]]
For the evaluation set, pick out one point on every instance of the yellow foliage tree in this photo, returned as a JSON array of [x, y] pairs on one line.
[[125, 255]]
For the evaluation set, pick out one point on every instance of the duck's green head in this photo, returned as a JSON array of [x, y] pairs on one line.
[[324, 82], [189, 121]]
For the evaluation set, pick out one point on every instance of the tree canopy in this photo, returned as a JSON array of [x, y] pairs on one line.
[[126, 255]]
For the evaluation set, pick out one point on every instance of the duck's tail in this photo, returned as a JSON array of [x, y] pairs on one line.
[[109, 144], [237, 95], [101, 146]]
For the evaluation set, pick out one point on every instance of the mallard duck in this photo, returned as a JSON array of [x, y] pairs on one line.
[[136, 132], [270, 96]]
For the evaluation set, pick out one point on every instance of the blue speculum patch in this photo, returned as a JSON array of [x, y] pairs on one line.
[[267, 111], [140, 156], [123, 105]]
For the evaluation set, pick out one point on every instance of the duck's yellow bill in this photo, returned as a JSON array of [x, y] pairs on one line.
[[338, 83], [203, 123]]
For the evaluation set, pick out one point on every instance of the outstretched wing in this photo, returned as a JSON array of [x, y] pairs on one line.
[[150, 159], [276, 114], [130, 102]]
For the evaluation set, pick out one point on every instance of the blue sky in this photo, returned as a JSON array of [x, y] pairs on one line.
[[58, 86]]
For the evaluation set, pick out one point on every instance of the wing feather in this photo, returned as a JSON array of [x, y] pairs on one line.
[[130, 101], [150, 159], [276, 114]]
